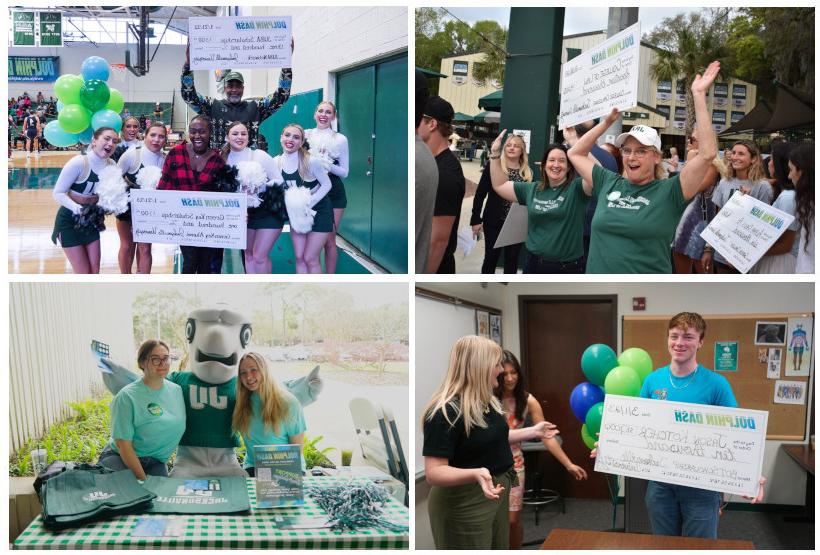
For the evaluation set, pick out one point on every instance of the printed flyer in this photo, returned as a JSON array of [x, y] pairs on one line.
[[278, 476]]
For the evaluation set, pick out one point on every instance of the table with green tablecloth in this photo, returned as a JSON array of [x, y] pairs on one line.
[[257, 529]]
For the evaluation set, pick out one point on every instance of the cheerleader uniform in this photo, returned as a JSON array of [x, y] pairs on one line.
[[335, 144], [260, 217], [131, 163], [81, 175], [319, 185]]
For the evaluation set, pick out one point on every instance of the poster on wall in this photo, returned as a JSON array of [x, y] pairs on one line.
[[495, 328], [22, 31], [482, 323], [789, 392], [43, 69], [726, 356], [773, 365], [770, 333], [798, 350]]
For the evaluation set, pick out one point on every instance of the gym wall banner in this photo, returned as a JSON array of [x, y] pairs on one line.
[[37, 28], [34, 68]]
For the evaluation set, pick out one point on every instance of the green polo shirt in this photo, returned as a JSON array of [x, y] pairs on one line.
[[555, 219], [634, 225]]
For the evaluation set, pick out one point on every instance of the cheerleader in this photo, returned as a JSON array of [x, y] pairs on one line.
[[330, 147], [256, 169], [74, 191], [307, 186], [147, 153], [129, 136]]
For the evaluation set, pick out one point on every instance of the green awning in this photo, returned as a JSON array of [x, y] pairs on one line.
[[462, 117], [488, 117], [491, 101], [430, 72]]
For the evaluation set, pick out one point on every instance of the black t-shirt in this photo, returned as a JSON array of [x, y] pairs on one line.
[[486, 447], [449, 196]]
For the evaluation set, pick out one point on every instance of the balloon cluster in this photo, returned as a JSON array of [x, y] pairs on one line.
[[607, 373], [84, 104]]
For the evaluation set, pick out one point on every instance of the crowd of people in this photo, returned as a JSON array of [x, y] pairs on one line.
[[612, 208], [223, 134]]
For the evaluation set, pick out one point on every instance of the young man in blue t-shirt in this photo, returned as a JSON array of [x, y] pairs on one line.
[[680, 510]]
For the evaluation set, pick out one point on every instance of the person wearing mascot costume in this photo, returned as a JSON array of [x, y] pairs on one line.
[[217, 336]]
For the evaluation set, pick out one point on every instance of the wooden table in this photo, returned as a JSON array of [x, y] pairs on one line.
[[560, 538], [803, 455]]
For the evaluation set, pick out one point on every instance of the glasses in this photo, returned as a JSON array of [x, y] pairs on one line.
[[156, 361], [637, 153]]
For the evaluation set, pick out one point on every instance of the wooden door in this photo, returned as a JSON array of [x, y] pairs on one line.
[[555, 330]]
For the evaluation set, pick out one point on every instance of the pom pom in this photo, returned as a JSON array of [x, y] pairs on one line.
[[273, 200], [112, 191], [300, 214], [225, 179], [252, 180], [354, 505], [91, 219], [323, 148], [148, 177]]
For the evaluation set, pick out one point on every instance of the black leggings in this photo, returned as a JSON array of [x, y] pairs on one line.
[[201, 260], [491, 254]]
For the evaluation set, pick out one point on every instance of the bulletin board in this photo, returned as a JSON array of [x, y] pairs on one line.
[[750, 384]]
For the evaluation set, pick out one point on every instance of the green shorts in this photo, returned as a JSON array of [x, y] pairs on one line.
[[260, 218], [323, 220], [338, 198], [66, 236]]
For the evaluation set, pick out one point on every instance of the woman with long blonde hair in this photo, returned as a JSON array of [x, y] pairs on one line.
[[515, 164], [265, 414], [467, 456], [300, 169]]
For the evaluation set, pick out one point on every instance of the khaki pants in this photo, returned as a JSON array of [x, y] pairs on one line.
[[462, 518]]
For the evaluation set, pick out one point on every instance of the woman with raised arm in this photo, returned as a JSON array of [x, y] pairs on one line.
[[637, 214]]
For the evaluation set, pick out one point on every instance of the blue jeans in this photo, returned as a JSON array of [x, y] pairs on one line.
[[152, 467], [682, 511], [537, 265]]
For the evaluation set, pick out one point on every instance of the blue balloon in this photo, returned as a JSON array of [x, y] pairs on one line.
[[95, 67], [106, 118], [58, 136], [583, 397], [86, 136], [59, 106]]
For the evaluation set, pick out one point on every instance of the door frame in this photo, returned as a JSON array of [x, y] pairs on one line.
[[572, 298]]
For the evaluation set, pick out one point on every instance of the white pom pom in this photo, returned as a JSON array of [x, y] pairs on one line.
[[254, 201], [323, 158], [148, 177], [252, 180], [112, 191], [300, 215]]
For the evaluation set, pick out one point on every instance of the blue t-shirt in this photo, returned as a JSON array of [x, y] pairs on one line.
[[153, 420], [705, 388], [259, 434]]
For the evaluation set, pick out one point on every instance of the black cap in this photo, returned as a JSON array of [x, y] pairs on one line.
[[439, 109]]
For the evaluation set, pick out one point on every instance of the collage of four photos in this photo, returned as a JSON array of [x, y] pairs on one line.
[[391, 407]]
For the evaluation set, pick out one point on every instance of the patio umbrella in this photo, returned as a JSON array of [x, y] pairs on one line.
[[756, 119], [792, 109], [491, 101], [462, 117], [488, 117]]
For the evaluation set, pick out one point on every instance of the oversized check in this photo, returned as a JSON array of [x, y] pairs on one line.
[[189, 218], [701, 446], [744, 229], [601, 78], [239, 42]]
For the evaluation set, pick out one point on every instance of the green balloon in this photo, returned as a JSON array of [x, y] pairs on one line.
[[637, 359], [593, 420], [588, 440], [597, 361], [623, 380], [115, 102], [67, 88], [74, 118], [95, 94]]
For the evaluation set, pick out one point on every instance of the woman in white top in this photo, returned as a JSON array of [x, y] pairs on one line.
[[300, 169], [801, 173], [264, 227], [73, 191], [143, 154], [331, 146]]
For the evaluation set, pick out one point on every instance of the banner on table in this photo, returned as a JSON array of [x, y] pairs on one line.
[[601, 78], [189, 218], [700, 446], [239, 42], [51, 29], [34, 68], [22, 31], [744, 229]]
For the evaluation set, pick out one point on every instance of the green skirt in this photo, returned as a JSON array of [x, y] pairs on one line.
[[66, 236], [462, 518], [338, 197], [260, 218], [323, 220]]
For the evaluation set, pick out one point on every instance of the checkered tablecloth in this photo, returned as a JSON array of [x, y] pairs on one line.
[[255, 530]]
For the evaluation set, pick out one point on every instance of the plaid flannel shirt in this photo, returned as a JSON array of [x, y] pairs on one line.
[[178, 174]]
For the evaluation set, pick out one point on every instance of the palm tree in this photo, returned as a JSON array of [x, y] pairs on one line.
[[689, 46]]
